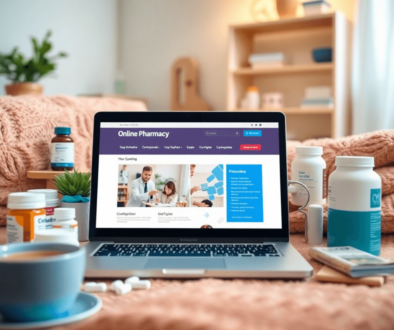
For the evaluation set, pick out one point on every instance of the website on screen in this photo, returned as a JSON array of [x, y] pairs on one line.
[[189, 175]]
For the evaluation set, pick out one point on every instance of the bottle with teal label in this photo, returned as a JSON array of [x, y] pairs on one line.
[[62, 150], [354, 198]]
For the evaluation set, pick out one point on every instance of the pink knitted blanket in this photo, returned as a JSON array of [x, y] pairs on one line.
[[26, 129]]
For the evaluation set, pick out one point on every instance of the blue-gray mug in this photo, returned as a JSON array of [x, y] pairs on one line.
[[40, 289]]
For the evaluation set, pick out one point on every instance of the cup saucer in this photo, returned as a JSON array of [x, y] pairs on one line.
[[85, 306]]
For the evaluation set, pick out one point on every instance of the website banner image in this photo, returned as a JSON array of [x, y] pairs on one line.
[[179, 177]]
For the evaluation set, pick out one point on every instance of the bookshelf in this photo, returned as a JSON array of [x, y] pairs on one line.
[[296, 38], [123, 194]]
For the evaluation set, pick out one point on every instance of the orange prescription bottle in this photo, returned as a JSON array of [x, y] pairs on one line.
[[25, 212]]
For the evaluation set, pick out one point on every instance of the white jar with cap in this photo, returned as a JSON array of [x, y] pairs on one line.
[[53, 235], [310, 169], [65, 219], [51, 202], [354, 198]]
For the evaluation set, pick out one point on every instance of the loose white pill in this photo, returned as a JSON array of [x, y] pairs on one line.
[[115, 284], [144, 284], [132, 279], [95, 287], [125, 288]]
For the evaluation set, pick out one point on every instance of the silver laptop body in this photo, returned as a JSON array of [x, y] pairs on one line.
[[240, 171]]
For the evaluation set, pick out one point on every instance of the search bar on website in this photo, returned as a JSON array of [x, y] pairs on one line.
[[223, 133]]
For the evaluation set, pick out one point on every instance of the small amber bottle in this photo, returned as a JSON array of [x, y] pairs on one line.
[[62, 150], [25, 216]]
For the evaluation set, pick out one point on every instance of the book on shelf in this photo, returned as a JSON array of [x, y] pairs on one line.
[[326, 103], [352, 261]]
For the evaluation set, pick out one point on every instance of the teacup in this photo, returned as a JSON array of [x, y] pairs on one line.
[[36, 282]]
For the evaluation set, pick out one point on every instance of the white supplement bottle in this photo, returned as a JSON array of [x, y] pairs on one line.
[[65, 219], [51, 202], [354, 195], [309, 168], [253, 98]]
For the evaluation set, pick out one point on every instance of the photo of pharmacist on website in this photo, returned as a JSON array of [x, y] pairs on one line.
[[207, 185], [153, 185]]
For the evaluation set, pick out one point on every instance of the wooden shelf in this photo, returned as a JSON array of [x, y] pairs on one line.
[[295, 111], [306, 22], [296, 38], [315, 67]]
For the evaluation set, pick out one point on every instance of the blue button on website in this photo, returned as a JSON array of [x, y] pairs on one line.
[[252, 133]]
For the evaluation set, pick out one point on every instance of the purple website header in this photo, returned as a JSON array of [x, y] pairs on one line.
[[189, 141]]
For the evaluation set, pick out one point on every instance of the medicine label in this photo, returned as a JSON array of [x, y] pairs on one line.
[[14, 229], [62, 155], [42, 222]]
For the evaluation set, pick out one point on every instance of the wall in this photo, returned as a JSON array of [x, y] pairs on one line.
[[86, 30], [154, 33]]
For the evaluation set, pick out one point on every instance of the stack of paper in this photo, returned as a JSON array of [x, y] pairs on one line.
[[318, 97], [264, 60]]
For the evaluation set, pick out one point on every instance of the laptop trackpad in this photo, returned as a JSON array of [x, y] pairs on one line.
[[182, 263]]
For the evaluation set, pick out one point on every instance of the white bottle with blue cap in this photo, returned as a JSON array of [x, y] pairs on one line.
[[62, 150]]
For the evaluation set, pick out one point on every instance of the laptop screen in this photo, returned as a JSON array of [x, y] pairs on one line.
[[189, 175]]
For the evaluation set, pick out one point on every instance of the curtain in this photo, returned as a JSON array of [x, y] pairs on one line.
[[373, 66]]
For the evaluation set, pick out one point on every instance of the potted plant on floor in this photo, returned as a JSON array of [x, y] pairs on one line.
[[24, 73], [75, 187]]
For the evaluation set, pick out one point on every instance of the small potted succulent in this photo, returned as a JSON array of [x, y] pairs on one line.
[[75, 187], [23, 72]]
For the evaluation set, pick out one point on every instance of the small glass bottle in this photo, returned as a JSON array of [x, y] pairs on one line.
[[62, 150]]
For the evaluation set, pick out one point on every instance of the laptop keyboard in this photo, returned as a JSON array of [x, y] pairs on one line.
[[187, 250]]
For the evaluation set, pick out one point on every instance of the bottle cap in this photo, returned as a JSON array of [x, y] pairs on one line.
[[353, 161], [57, 236], [253, 89], [317, 151], [64, 213], [50, 196], [25, 201], [63, 130]]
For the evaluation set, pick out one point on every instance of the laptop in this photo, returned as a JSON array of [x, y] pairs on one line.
[[190, 194]]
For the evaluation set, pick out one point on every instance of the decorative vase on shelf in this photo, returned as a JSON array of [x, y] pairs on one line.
[[23, 88], [286, 8]]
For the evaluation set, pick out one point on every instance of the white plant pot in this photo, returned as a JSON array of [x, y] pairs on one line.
[[82, 217]]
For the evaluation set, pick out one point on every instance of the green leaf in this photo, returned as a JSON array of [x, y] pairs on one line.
[[16, 68], [47, 35]]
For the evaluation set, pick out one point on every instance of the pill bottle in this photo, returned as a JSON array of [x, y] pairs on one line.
[[25, 214], [253, 98], [65, 219], [62, 150], [354, 196], [53, 235], [309, 168], [51, 202]]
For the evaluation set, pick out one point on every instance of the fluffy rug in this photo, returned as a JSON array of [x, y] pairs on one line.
[[214, 304]]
